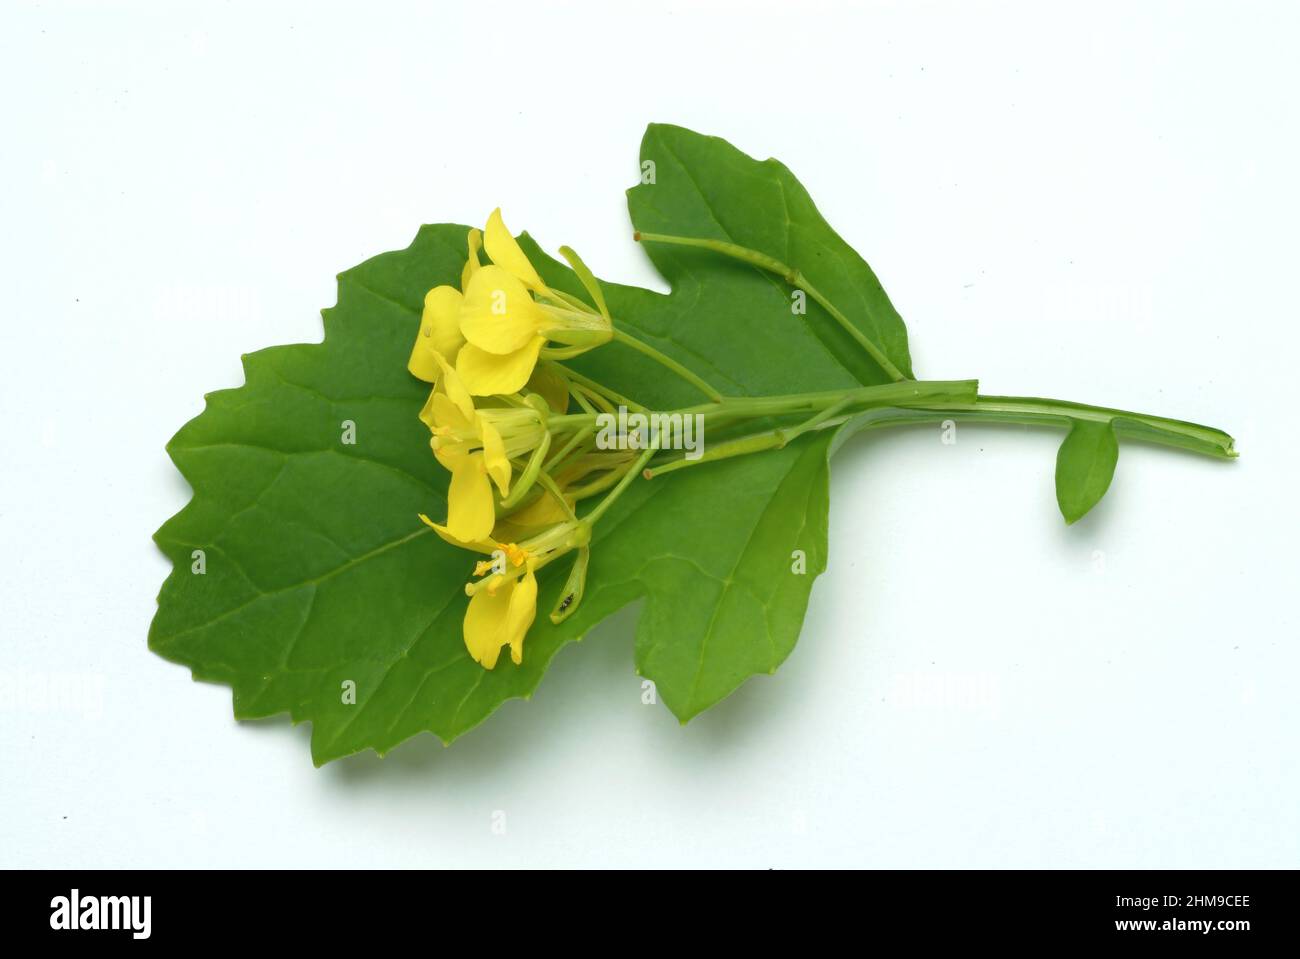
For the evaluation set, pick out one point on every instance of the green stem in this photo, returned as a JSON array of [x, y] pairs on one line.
[[770, 440], [824, 406], [1017, 410], [567, 300], [526, 479], [904, 393], [597, 398], [580, 394], [791, 275], [608, 478], [742, 446], [786, 435], [599, 388], [548, 484], [914, 401], [1032, 410], [907, 393], [623, 484], [579, 437], [667, 362]]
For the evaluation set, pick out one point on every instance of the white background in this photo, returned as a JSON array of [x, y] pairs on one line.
[[1090, 201]]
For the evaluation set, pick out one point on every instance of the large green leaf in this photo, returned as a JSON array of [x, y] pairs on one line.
[[318, 574], [704, 187]]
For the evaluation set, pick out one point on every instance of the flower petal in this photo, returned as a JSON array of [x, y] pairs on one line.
[[472, 263], [439, 333], [470, 509], [442, 317], [487, 546], [485, 622], [521, 613], [440, 411], [505, 252], [494, 456], [548, 383], [499, 314], [487, 374], [542, 513], [452, 387], [427, 416], [423, 362]]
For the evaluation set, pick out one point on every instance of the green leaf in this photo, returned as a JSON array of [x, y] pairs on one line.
[[319, 579], [704, 187], [318, 573], [1085, 465]]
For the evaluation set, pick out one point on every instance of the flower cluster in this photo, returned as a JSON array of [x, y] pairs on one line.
[[498, 403], [521, 464], [494, 327]]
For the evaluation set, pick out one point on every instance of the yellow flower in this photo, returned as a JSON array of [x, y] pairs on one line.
[[504, 325], [501, 617], [493, 329], [476, 447], [440, 323], [502, 250], [503, 606]]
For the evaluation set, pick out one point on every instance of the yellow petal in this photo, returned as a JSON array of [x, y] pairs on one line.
[[439, 333], [455, 390], [450, 455], [423, 362], [521, 613], [427, 416], [543, 511], [505, 252], [446, 414], [472, 263], [540, 514], [442, 319], [486, 374], [551, 386], [494, 456], [499, 314], [488, 546], [485, 623], [470, 510]]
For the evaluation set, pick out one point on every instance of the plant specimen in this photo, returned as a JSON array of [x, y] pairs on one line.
[[486, 432]]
